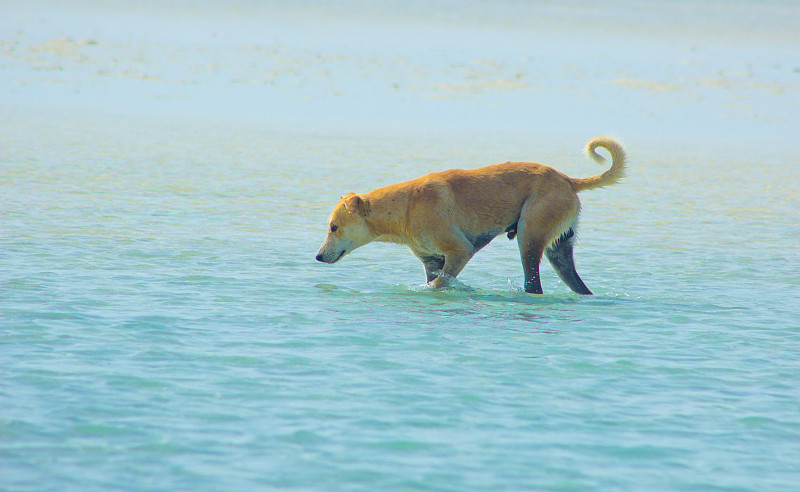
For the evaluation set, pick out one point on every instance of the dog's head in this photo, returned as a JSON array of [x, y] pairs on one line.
[[347, 228]]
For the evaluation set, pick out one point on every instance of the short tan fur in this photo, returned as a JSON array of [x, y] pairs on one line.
[[446, 217]]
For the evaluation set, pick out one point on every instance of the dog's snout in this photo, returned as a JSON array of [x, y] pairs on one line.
[[319, 257]]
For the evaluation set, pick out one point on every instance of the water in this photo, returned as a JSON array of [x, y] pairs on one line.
[[165, 188]]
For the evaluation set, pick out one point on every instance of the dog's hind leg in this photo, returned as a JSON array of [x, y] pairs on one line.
[[540, 222], [531, 257], [560, 255], [531, 247]]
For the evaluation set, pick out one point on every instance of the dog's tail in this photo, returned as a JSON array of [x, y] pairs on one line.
[[614, 173]]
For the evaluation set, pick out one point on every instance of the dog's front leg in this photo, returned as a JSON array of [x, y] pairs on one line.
[[454, 261], [433, 265], [432, 262]]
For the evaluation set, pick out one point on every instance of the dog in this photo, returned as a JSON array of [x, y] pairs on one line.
[[447, 217]]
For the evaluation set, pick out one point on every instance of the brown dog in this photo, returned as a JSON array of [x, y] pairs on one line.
[[446, 217]]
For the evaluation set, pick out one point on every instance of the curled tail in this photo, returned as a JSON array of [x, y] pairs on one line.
[[614, 173]]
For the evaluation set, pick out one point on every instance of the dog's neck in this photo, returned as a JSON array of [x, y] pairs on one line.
[[387, 216]]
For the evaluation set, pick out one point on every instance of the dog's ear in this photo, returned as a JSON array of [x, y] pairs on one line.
[[356, 204]]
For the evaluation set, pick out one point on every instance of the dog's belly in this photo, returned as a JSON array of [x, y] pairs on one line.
[[478, 241], [429, 244], [481, 239]]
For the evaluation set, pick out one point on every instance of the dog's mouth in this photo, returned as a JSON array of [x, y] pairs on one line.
[[321, 257]]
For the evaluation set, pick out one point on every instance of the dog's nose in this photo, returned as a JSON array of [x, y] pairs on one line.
[[319, 256]]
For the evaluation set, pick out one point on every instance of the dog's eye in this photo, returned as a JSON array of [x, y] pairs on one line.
[[334, 228]]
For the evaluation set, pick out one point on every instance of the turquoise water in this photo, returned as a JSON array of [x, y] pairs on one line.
[[164, 325]]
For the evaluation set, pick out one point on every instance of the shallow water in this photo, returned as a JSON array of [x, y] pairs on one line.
[[165, 325]]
